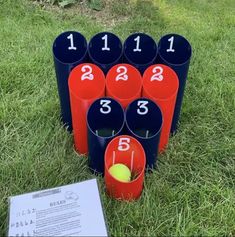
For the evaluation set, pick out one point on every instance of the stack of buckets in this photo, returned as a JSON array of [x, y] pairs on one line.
[[121, 101]]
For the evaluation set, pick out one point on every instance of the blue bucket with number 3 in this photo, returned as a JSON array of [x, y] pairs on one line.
[[105, 120], [144, 122], [69, 50]]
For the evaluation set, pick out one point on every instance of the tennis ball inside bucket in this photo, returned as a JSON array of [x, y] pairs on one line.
[[120, 172]]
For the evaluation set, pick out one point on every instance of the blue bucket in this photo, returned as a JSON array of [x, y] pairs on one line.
[[69, 50]]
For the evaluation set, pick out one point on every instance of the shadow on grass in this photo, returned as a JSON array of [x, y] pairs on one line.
[[141, 16]]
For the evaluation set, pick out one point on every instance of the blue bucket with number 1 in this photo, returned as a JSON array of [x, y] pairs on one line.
[[140, 50], [69, 50], [175, 51], [105, 50]]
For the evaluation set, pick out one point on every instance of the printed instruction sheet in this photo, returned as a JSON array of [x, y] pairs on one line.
[[71, 210]]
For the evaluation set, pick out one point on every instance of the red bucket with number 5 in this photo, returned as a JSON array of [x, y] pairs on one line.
[[123, 83], [86, 84], [160, 84], [124, 150]]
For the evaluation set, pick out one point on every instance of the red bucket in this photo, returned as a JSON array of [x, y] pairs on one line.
[[86, 84], [128, 151], [123, 83], [160, 83]]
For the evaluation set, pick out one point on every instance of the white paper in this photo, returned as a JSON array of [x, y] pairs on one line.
[[71, 210]]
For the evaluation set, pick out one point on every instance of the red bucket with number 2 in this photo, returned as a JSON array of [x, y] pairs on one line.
[[86, 84], [123, 83], [160, 83]]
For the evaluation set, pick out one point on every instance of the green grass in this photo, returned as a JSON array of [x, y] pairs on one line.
[[192, 193]]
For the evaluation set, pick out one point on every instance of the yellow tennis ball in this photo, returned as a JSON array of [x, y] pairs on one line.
[[120, 172]]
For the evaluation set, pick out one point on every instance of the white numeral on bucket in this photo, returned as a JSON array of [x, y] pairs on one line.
[[158, 74], [105, 38], [137, 49], [143, 109], [70, 37], [123, 144], [171, 45], [122, 70], [87, 75], [105, 109]]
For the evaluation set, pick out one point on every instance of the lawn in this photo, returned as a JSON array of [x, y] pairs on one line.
[[192, 193]]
